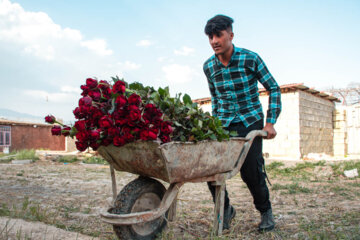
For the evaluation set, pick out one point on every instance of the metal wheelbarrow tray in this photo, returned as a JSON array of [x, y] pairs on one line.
[[176, 163]]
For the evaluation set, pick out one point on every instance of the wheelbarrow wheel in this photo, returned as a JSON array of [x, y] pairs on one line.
[[142, 194]]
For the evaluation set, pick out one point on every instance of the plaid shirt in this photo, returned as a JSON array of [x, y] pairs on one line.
[[234, 90]]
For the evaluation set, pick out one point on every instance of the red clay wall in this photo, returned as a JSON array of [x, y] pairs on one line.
[[39, 137]]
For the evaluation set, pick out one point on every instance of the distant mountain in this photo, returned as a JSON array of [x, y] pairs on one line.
[[17, 116]]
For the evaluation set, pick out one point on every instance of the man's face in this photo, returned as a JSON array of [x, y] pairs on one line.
[[221, 42]]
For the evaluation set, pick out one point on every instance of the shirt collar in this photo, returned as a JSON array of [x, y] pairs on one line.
[[235, 49]]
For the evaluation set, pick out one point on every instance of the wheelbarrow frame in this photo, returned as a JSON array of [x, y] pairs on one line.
[[169, 200]]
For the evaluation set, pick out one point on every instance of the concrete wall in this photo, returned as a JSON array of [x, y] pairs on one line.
[[316, 124], [33, 136], [287, 141], [340, 133]]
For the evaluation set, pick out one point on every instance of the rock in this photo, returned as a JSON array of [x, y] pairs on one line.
[[351, 173]]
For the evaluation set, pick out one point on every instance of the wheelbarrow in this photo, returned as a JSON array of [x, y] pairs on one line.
[[143, 207]]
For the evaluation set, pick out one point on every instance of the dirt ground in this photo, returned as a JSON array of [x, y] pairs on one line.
[[51, 200]]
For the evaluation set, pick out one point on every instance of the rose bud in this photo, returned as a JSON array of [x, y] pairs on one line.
[[95, 134], [119, 87], [134, 99], [144, 135], [78, 113], [152, 135], [94, 145], [66, 131], [56, 130], [91, 83], [82, 136], [103, 85], [50, 119]]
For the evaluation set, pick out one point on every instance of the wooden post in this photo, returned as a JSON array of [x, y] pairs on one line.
[[219, 208], [113, 181]]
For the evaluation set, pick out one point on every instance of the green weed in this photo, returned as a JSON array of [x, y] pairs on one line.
[[67, 159], [95, 160], [291, 188], [26, 154]]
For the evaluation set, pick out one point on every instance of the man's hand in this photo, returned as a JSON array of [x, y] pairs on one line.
[[269, 128]]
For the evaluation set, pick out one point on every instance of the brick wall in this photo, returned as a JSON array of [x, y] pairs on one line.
[[316, 124], [33, 136], [340, 132]]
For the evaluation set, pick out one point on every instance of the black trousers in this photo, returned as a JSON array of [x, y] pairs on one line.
[[252, 171]]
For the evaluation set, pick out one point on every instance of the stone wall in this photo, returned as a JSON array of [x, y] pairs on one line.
[[287, 142], [316, 124]]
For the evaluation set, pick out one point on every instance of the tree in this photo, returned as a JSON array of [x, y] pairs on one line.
[[349, 95]]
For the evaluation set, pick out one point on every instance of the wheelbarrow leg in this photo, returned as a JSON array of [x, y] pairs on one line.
[[113, 184], [172, 210], [219, 207]]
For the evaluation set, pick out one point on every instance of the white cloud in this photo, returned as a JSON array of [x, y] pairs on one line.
[[184, 51], [128, 65], [176, 73], [98, 46], [144, 43], [70, 89], [37, 34]]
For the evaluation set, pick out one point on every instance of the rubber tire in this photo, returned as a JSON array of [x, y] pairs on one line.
[[125, 201]]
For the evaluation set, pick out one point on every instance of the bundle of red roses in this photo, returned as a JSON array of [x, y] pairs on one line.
[[109, 114]]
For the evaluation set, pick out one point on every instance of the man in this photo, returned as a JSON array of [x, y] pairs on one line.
[[233, 74]]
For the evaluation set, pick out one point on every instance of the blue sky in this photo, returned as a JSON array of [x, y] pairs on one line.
[[48, 48]]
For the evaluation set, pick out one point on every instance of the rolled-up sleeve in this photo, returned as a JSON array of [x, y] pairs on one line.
[[269, 83]]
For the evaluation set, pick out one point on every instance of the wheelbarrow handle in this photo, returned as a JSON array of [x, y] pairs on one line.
[[251, 135]]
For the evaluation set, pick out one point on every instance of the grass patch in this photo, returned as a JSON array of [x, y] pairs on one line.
[[293, 188], [26, 154], [95, 160], [340, 167], [302, 171], [67, 159]]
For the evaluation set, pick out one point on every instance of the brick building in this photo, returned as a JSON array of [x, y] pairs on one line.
[[16, 135], [305, 124]]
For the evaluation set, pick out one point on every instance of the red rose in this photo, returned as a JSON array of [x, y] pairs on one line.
[[103, 85], [149, 106], [96, 113], [50, 119], [80, 125], [113, 131], [144, 134], [165, 138], [119, 87], [81, 146], [82, 136], [56, 130], [91, 83], [166, 128], [121, 122], [78, 114], [94, 145], [85, 101], [121, 101], [119, 141], [152, 136], [119, 113], [157, 122], [134, 99], [95, 95], [66, 131], [105, 122], [134, 114], [85, 90], [95, 134], [154, 129]]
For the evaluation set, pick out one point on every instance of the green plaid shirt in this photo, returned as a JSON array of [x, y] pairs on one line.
[[234, 90]]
